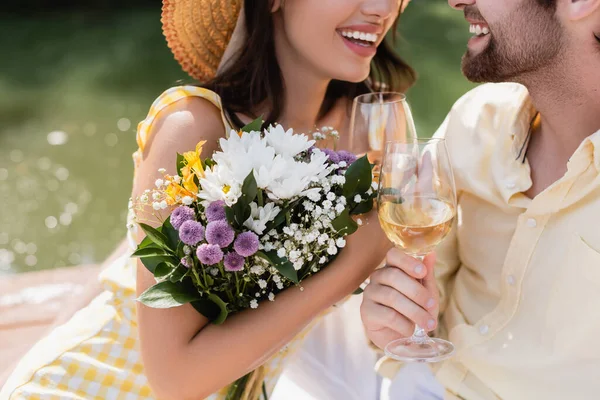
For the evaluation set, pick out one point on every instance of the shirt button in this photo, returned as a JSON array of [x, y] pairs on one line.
[[510, 280], [531, 222], [484, 329]]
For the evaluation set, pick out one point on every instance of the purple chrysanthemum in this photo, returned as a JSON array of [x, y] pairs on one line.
[[346, 156], [180, 215], [191, 232], [219, 233], [187, 262], [209, 254], [215, 211], [246, 244], [333, 156], [234, 262]]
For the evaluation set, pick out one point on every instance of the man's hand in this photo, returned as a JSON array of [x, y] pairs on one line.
[[395, 300]]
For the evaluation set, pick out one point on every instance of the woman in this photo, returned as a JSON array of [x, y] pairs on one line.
[[299, 63]]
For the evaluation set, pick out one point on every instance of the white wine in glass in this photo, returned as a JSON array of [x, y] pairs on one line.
[[416, 207], [376, 119]]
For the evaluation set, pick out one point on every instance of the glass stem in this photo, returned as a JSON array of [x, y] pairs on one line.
[[419, 335]]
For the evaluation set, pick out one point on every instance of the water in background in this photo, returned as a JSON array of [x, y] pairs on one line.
[[73, 88]]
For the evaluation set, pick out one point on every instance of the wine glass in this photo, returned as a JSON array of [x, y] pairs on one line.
[[378, 118], [416, 207]]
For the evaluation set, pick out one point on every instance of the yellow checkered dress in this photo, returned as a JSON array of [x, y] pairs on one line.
[[95, 355]]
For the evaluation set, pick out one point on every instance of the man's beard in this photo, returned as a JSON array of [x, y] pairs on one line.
[[530, 41]]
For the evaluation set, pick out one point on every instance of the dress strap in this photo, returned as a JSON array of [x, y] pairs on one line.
[[170, 96]]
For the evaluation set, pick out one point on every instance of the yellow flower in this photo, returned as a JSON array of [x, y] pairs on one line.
[[193, 168]]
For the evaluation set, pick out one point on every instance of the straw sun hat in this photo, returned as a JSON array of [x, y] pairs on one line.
[[200, 33], [204, 34]]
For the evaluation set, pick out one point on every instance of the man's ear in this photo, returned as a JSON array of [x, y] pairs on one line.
[[579, 9]]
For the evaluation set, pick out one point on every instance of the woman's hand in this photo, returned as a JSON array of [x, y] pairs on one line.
[[369, 244], [395, 300]]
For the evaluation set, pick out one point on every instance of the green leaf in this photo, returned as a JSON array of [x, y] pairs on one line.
[[163, 269], [255, 125], [358, 291], [207, 308], [152, 262], [209, 163], [249, 189], [145, 243], [171, 234], [150, 252], [359, 177], [281, 217], [180, 164], [222, 309], [283, 265], [178, 274], [156, 236], [362, 208], [167, 295], [212, 307], [230, 215], [344, 224]]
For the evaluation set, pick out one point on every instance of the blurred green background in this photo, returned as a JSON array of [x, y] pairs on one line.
[[75, 79]]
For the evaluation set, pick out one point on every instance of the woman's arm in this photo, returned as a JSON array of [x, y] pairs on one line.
[[187, 358]]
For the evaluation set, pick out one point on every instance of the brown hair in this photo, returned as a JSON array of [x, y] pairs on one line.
[[254, 75]]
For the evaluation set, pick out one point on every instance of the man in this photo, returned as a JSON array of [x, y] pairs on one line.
[[519, 276]]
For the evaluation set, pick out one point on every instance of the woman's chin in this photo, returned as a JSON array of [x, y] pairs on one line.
[[354, 74]]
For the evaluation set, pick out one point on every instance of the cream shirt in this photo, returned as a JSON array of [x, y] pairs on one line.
[[519, 278]]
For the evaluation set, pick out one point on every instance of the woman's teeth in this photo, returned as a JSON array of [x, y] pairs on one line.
[[479, 30], [370, 38]]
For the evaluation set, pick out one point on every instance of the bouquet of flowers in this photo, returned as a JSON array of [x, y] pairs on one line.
[[262, 214]]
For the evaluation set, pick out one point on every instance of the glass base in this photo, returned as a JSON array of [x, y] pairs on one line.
[[422, 350]]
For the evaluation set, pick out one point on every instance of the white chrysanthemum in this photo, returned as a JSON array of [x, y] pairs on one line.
[[218, 184], [286, 142], [261, 216]]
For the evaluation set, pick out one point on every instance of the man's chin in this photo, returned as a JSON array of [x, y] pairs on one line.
[[480, 69]]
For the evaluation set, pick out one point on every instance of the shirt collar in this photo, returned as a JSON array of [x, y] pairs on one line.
[[521, 124], [595, 140]]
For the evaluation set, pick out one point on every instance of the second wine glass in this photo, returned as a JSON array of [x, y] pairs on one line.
[[417, 206]]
